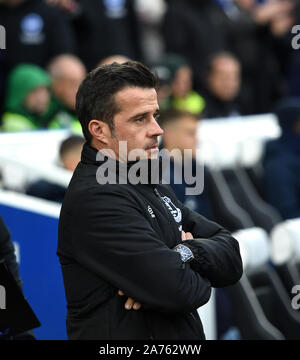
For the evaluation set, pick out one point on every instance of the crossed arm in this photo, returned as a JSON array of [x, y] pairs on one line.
[[135, 305], [117, 242]]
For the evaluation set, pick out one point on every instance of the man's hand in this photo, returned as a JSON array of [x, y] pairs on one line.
[[130, 303], [186, 236]]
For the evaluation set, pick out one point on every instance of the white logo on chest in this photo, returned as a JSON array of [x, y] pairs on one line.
[[175, 211], [151, 211]]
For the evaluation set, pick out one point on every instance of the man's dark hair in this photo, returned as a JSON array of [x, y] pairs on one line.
[[95, 98], [70, 144]]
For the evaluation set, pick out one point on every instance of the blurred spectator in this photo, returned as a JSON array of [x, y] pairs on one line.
[[150, 14], [282, 161], [259, 35], [103, 28], [113, 58], [180, 132], [27, 98], [35, 33], [67, 73], [195, 29], [222, 82], [177, 82], [70, 154]]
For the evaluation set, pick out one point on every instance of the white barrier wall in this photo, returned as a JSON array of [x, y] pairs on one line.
[[222, 143], [225, 142], [27, 156]]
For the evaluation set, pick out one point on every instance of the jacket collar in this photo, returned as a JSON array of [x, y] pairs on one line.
[[120, 170]]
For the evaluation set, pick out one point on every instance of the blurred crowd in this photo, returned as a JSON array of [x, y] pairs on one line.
[[213, 57]]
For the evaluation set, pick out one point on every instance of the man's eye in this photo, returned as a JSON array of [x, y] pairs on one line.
[[139, 119], [156, 116]]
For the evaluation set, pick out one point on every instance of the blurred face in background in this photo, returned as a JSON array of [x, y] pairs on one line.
[[67, 74], [247, 5], [120, 59], [72, 157], [224, 79], [181, 134], [37, 100], [182, 83]]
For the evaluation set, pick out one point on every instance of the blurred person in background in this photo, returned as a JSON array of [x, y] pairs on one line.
[[221, 86], [67, 72], [260, 36], [103, 28], [35, 33], [151, 14], [180, 94], [27, 98], [282, 161], [180, 132], [120, 59], [70, 154], [7, 253], [194, 29]]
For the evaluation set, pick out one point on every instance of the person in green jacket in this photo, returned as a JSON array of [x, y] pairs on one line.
[[27, 99], [177, 73]]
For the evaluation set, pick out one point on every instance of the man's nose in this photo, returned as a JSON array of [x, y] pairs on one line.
[[155, 129]]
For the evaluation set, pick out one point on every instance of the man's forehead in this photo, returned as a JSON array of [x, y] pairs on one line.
[[136, 96]]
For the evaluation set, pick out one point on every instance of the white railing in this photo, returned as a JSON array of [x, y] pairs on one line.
[[222, 143]]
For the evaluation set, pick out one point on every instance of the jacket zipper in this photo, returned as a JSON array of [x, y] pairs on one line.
[[196, 322], [157, 193]]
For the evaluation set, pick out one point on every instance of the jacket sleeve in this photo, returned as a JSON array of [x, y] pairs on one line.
[[217, 254], [113, 239], [7, 252]]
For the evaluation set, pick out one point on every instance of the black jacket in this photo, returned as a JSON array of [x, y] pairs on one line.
[[115, 237]]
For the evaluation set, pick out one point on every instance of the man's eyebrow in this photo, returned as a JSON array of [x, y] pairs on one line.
[[142, 114]]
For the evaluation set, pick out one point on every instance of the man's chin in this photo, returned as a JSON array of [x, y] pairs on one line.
[[152, 153]]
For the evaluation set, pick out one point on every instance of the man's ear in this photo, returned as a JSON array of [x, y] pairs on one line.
[[99, 130]]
